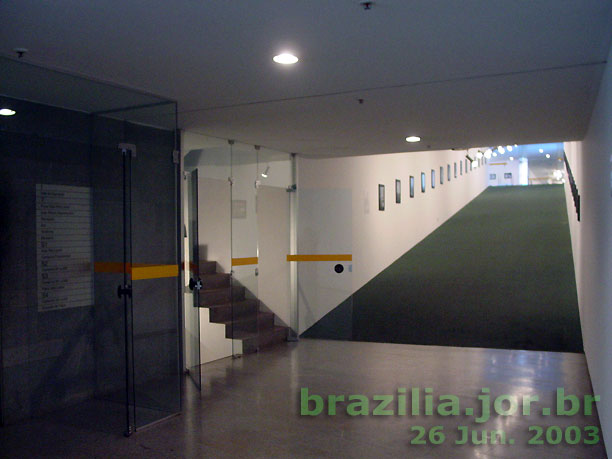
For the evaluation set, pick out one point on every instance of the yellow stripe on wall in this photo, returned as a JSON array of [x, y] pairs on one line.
[[138, 271], [337, 257], [245, 261]]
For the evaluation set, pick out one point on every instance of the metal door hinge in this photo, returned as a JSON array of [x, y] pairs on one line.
[[125, 147], [176, 157]]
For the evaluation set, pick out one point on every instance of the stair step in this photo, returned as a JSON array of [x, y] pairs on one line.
[[208, 267], [216, 280], [249, 323], [263, 339], [210, 297], [226, 312]]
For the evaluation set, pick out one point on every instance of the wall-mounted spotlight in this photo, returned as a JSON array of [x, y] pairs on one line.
[[7, 112], [264, 174]]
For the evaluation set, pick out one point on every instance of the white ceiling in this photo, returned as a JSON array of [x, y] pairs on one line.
[[457, 73]]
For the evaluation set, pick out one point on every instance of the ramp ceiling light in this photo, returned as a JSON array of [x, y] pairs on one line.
[[7, 112], [541, 150], [413, 138], [264, 174], [285, 59]]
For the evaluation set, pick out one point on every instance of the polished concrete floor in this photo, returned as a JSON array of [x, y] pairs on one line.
[[250, 407]]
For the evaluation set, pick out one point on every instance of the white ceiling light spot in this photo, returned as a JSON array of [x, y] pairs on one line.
[[285, 59], [7, 112], [541, 150], [547, 155], [509, 148], [494, 154], [511, 158], [413, 138]]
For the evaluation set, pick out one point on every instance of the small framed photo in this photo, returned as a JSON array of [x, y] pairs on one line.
[[433, 178], [448, 174], [507, 174], [492, 176], [455, 170], [460, 167], [381, 197], [441, 175], [411, 186], [398, 191], [423, 182]]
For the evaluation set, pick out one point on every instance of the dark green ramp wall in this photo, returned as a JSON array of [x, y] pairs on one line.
[[498, 274]]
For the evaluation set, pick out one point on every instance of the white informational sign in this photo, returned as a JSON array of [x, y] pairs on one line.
[[64, 247]]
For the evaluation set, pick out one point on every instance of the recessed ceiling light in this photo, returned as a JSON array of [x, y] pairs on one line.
[[509, 147], [511, 158], [547, 155], [413, 138], [541, 150], [285, 59], [7, 112]]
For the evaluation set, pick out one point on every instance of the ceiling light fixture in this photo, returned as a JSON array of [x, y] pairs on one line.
[[413, 138], [264, 174], [7, 112], [547, 155], [511, 158], [541, 150], [501, 149], [509, 147], [285, 59]]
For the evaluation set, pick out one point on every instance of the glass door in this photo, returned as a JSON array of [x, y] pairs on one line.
[[135, 180], [194, 282]]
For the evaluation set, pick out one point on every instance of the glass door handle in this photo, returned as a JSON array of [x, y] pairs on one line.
[[195, 285], [124, 290]]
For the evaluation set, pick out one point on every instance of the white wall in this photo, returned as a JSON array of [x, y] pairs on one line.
[[592, 245], [499, 167], [375, 238]]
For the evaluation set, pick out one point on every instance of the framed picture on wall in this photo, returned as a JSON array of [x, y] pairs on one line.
[[423, 182], [460, 167], [492, 176], [381, 197], [398, 191], [455, 169], [411, 186], [507, 174], [448, 175], [441, 175], [433, 178]]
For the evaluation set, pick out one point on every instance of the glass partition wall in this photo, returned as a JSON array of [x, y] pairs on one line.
[[243, 234], [90, 272]]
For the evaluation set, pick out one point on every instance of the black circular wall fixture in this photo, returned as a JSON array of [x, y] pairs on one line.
[[338, 268]]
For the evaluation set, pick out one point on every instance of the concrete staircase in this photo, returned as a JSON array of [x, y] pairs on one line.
[[241, 316]]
